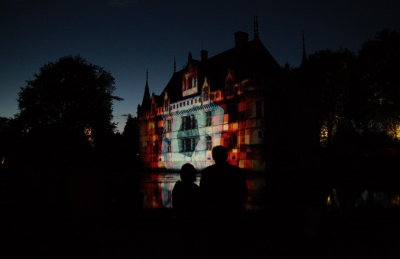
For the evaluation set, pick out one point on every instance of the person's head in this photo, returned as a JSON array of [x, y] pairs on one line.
[[188, 173], [219, 154]]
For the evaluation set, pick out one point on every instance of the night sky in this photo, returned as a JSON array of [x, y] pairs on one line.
[[126, 37]]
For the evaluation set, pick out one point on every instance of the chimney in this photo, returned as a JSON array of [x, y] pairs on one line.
[[204, 55], [241, 39]]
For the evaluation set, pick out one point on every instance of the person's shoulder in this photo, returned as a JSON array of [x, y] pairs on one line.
[[178, 184], [233, 167], [208, 169]]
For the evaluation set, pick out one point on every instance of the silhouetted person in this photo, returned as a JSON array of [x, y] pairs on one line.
[[224, 194], [223, 187], [186, 203], [186, 194]]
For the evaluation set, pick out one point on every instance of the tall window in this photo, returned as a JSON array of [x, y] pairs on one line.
[[185, 122], [166, 104], [208, 143], [192, 83], [188, 144], [208, 118], [168, 126], [169, 146], [189, 122], [206, 93]]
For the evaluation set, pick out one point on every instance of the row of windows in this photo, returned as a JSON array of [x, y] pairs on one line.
[[189, 144], [186, 145], [206, 97], [189, 122]]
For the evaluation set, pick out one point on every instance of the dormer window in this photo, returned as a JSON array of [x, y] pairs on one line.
[[192, 83], [189, 83]]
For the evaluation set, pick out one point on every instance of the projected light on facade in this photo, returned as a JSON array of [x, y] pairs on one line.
[[212, 101], [189, 138]]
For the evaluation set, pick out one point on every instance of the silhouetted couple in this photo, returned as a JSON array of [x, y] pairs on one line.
[[219, 202]]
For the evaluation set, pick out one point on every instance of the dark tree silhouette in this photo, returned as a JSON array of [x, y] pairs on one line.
[[329, 75], [5, 131], [69, 101], [379, 80], [9, 138]]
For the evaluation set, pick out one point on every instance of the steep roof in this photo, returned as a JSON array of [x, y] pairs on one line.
[[247, 61]]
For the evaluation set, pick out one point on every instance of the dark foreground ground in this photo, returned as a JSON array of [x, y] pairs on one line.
[[157, 234]]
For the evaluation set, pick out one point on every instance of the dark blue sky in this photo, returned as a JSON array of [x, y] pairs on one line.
[[126, 37]]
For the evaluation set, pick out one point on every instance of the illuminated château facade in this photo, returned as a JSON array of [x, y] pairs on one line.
[[217, 100]]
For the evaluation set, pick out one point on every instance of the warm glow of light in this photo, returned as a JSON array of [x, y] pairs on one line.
[[396, 201], [241, 163], [89, 135], [3, 160], [235, 126], [151, 125], [395, 132], [323, 137], [247, 139], [234, 150], [226, 126], [329, 200]]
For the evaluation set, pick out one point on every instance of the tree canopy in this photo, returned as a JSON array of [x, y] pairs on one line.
[[71, 97]]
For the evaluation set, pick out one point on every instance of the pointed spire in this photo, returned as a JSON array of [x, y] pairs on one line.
[[304, 59], [256, 34], [146, 96], [147, 77], [174, 65]]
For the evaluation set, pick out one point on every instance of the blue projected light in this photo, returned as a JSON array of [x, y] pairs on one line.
[[185, 140]]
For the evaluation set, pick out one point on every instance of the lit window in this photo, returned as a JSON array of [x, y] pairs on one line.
[[208, 118], [168, 125], [193, 121]]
